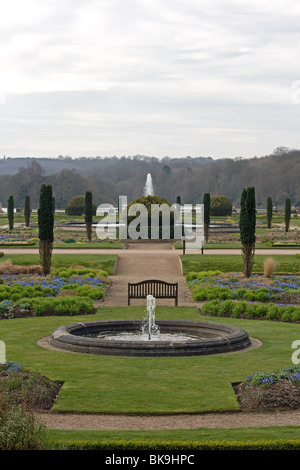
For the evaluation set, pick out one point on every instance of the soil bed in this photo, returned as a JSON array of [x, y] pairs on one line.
[[29, 389], [281, 395]]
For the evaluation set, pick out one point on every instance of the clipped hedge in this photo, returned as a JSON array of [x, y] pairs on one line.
[[114, 445], [263, 294], [68, 305], [201, 275], [92, 292], [18, 291], [1, 254], [85, 272], [243, 309]]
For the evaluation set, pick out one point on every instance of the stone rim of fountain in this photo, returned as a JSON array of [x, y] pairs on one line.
[[230, 339]]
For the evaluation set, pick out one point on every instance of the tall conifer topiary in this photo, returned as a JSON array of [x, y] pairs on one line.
[[269, 212], [27, 211], [247, 228], [46, 226], [206, 203], [287, 214], [88, 214], [10, 212]]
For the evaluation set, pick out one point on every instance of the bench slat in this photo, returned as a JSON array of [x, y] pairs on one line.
[[159, 289]]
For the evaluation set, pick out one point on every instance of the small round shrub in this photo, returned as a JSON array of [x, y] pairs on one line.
[[95, 293], [273, 312], [15, 297], [286, 317], [250, 311], [240, 292], [295, 315], [191, 276], [226, 307], [76, 206], [239, 309], [211, 307], [261, 310], [220, 205], [199, 294]]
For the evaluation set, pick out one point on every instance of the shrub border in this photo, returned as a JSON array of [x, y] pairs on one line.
[[280, 444]]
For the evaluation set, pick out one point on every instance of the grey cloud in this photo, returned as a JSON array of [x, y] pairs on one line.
[[153, 75]]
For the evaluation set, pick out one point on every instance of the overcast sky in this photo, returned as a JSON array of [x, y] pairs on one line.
[[212, 78]]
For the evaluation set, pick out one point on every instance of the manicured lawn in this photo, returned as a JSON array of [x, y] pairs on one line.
[[104, 262], [200, 434], [286, 264], [233, 246], [93, 244], [146, 385]]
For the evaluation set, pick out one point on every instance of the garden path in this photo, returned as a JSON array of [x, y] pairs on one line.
[[91, 422], [141, 262]]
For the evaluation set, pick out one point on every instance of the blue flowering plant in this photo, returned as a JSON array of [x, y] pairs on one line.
[[265, 379], [14, 288], [12, 367], [69, 291], [213, 285]]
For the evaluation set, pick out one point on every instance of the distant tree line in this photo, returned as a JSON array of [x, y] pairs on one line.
[[275, 176]]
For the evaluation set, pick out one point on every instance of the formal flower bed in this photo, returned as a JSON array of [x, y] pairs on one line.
[[17, 287], [216, 285], [270, 389], [253, 310], [22, 393], [20, 386], [15, 239], [68, 291], [36, 306]]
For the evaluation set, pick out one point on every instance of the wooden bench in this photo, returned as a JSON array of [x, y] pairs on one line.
[[159, 290]]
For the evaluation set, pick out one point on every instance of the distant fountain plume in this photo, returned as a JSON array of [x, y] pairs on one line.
[[148, 188]]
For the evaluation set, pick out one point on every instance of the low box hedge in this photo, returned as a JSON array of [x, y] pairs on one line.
[[60, 305], [41, 306], [115, 445], [253, 310]]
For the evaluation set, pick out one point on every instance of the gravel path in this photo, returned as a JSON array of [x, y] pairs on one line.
[[153, 261], [144, 261], [181, 421]]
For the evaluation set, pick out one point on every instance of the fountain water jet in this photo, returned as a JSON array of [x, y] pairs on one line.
[[150, 326], [148, 188]]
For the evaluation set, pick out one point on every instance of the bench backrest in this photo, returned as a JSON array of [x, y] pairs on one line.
[[159, 289]]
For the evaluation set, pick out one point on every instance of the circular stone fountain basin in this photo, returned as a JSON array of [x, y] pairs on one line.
[[176, 338]]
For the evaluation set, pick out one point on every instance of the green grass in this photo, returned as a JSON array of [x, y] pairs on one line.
[[286, 264], [93, 244], [231, 246], [146, 385], [104, 262], [73, 246], [199, 434]]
